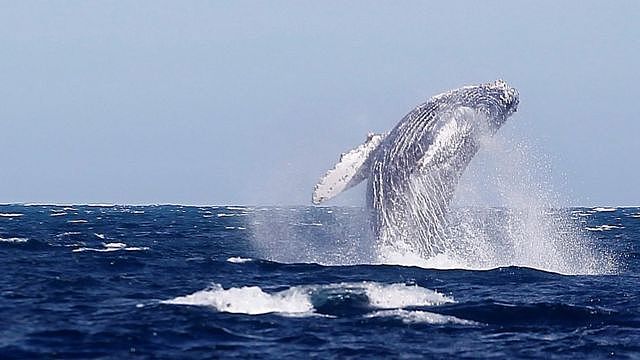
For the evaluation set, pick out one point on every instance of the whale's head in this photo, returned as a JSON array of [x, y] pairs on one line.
[[496, 99]]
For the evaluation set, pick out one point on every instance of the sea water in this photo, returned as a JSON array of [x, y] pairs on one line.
[[81, 281]]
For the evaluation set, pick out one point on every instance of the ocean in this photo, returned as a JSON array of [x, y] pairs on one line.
[[191, 282]]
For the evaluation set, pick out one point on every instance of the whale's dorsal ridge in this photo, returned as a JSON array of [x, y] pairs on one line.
[[351, 169]]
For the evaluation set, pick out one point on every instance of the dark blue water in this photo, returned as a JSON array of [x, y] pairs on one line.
[[193, 282]]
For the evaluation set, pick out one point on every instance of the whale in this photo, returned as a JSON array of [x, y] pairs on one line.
[[413, 170]]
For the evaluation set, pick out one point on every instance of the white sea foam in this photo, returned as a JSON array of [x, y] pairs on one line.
[[10, 215], [58, 214], [249, 300], [440, 261], [584, 214], [80, 221], [114, 245], [604, 227], [100, 236], [240, 208], [234, 228], [423, 317], [604, 209], [14, 240], [401, 295], [109, 247], [41, 204], [69, 233], [238, 260], [253, 300]]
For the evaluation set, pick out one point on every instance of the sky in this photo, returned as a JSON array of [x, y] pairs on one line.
[[250, 102]]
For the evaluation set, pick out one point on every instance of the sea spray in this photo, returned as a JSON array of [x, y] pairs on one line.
[[322, 235], [505, 213], [528, 227]]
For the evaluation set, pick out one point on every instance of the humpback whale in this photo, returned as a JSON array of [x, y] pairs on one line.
[[413, 170]]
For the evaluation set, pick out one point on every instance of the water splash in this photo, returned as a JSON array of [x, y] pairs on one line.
[[504, 213], [528, 227], [321, 235]]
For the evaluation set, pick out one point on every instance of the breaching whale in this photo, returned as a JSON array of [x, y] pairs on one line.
[[413, 170]]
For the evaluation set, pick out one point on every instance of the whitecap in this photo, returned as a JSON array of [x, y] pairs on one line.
[[69, 233], [10, 215], [389, 296], [604, 227], [14, 240], [604, 209], [41, 204], [253, 300], [109, 247], [584, 214], [77, 221], [58, 214], [114, 245], [239, 208], [238, 260], [230, 215], [249, 300], [421, 317]]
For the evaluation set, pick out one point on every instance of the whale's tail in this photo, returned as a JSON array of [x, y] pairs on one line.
[[353, 167]]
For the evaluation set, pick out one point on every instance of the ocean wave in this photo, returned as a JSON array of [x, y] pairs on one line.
[[604, 209], [238, 260], [109, 247], [420, 317], [604, 228], [69, 233], [231, 215], [237, 208], [234, 228], [385, 296], [14, 240], [332, 299], [10, 215]]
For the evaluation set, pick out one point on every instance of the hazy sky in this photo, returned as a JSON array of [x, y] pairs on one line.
[[244, 102]]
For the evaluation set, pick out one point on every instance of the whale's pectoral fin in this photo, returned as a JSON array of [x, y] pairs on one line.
[[348, 172]]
